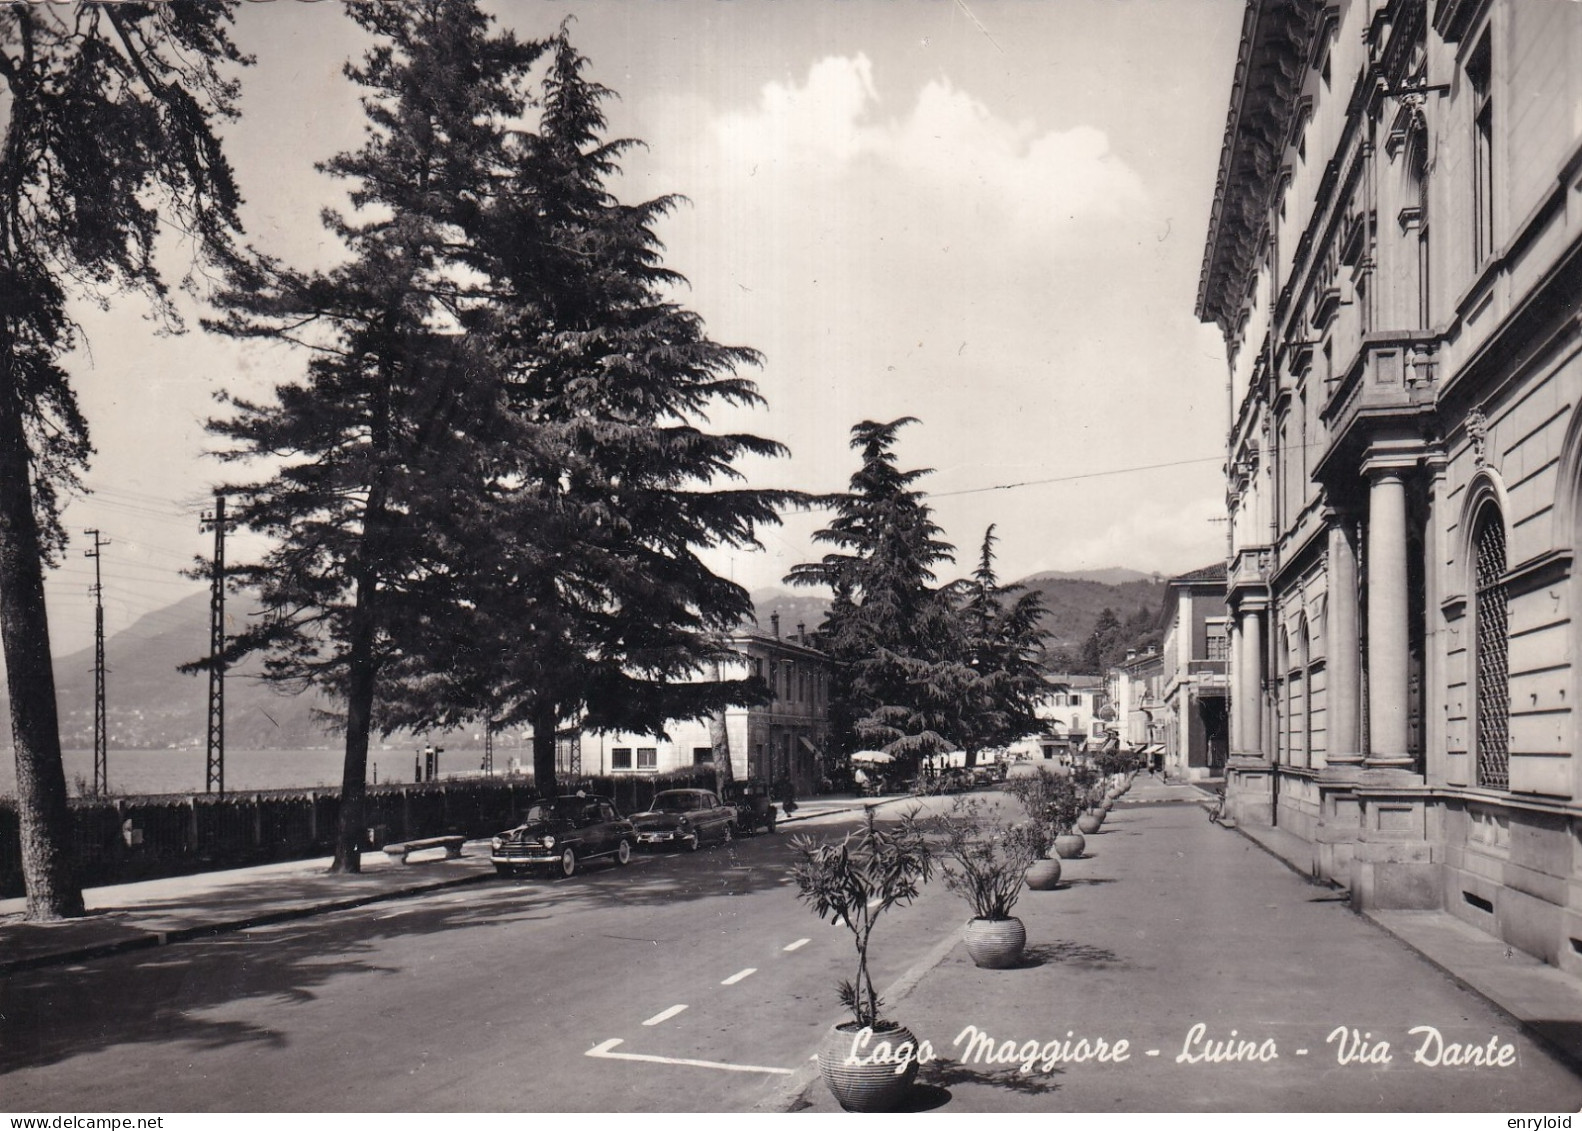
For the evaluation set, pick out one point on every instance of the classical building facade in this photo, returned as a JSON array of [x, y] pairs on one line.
[[1394, 258]]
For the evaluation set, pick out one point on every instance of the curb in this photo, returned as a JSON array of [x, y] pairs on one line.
[[151, 939], [185, 934]]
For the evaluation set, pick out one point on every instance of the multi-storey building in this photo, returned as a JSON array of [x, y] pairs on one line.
[[1394, 258], [1192, 676], [784, 739]]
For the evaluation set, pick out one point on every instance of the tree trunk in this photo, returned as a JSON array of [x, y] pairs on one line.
[[359, 720], [53, 890], [544, 722], [720, 741]]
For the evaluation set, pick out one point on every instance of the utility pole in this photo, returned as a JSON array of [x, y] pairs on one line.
[[101, 745], [488, 747], [214, 766]]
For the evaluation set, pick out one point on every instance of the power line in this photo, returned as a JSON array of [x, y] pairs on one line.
[[1079, 475]]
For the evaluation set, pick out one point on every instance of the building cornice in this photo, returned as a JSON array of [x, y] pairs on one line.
[[1271, 61]]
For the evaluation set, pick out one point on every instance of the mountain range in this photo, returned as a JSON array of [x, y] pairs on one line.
[[152, 705]]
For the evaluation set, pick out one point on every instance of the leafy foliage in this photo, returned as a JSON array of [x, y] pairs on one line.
[[1052, 800], [990, 856], [856, 879]]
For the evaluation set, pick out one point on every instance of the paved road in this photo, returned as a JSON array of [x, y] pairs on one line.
[[481, 998]]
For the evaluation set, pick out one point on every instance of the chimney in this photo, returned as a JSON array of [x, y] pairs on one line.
[[774, 624], [801, 632], [1131, 654]]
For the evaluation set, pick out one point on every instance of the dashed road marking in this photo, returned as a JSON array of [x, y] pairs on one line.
[[798, 945], [604, 1052], [664, 1015], [739, 975]]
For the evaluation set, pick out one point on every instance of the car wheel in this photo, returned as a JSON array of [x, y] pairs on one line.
[[623, 852], [771, 825], [728, 834], [693, 842], [568, 862], [505, 869]]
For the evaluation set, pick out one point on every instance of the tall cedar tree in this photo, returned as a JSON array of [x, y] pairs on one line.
[[592, 607], [893, 635], [1004, 648], [109, 129], [379, 450]]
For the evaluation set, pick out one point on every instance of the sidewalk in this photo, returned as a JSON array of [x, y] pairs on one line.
[[158, 912], [1238, 984]]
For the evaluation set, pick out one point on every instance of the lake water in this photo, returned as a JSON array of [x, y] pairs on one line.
[[182, 771]]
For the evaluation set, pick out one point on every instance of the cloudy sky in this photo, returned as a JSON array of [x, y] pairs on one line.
[[987, 214]]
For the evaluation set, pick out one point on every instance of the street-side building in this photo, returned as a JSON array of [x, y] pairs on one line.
[[1069, 711], [1136, 688], [1192, 679], [784, 739], [1394, 258]]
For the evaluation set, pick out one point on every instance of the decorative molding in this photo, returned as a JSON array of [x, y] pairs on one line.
[[1477, 426], [1535, 573]]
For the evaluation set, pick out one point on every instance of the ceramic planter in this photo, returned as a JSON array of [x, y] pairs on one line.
[[1044, 874], [996, 943], [860, 1068], [1089, 823], [1069, 846]]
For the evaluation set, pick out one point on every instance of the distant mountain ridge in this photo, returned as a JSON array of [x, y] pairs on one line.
[[153, 706]]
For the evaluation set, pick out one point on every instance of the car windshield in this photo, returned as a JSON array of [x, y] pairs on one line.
[[677, 802], [559, 808]]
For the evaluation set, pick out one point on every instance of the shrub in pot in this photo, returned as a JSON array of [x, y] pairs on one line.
[[1051, 802], [988, 860], [868, 1063]]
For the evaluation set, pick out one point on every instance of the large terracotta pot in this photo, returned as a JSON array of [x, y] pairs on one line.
[[1069, 846], [1044, 874], [996, 943], [1089, 823], [860, 1069]]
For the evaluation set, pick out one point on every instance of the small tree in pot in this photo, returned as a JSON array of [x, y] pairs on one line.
[[990, 860], [868, 1063], [1052, 803]]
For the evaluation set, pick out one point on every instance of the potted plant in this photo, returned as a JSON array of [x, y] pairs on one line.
[[990, 860], [1051, 802], [868, 1063]]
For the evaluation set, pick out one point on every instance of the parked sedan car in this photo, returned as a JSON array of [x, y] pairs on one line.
[[684, 817], [559, 833]]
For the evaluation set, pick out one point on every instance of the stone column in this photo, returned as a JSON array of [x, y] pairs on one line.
[[1387, 620], [1250, 683], [1343, 708]]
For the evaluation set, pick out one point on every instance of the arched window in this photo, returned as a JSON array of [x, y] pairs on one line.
[[1492, 650]]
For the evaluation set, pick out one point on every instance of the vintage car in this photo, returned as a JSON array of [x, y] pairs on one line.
[[685, 818], [754, 809], [559, 833]]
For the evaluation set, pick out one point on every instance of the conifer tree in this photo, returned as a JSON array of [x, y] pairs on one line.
[[600, 613], [109, 127], [893, 634], [1004, 647], [383, 451]]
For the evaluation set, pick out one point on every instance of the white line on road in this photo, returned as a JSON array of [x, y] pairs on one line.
[[603, 1053], [739, 975], [798, 945], [664, 1016]]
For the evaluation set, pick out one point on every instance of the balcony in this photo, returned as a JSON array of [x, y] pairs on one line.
[[1206, 667], [1390, 383]]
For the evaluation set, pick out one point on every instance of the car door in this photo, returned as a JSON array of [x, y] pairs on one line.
[[719, 817], [594, 833]]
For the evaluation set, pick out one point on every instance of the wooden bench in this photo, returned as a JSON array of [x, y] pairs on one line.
[[451, 845]]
